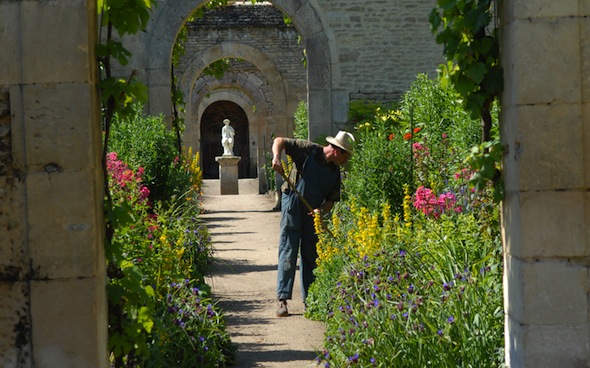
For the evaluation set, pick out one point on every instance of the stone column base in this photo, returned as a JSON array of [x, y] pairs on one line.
[[228, 174]]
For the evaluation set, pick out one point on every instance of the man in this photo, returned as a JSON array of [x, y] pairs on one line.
[[316, 175]]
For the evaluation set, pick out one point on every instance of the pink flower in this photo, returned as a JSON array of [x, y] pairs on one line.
[[426, 201]]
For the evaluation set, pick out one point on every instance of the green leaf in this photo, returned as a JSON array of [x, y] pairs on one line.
[[476, 72], [447, 4]]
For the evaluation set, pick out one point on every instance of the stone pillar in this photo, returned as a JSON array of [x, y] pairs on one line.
[[52, 269], [228, 174], [545, 120]]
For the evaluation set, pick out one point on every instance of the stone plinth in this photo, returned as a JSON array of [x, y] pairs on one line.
[[228, 174]]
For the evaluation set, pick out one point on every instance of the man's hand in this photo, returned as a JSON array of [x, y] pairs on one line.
[[277, 165]]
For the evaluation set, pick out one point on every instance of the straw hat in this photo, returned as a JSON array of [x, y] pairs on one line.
[[343, 140]]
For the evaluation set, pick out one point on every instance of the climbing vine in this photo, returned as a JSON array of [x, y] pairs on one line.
[[468, 31]]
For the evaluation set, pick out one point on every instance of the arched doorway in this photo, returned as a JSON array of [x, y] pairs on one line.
[[211, 124]]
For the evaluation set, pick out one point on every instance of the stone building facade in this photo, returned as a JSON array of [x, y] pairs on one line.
[[259, 28], [52, 273]]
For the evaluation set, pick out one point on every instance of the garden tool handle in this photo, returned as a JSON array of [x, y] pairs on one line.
[[305, 202]]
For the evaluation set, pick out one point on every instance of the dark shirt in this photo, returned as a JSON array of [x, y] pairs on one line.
[[300, 150]]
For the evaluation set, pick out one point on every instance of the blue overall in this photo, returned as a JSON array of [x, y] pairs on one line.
[[297, 229]]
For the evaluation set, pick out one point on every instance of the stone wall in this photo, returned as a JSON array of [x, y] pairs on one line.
[[380, 45], [545, 125]]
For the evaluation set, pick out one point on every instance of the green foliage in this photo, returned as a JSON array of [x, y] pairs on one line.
[[191, 331], [126, 16], [145, 141], [419, 143], [471, 43], [471, 46], [360, 111], [157, 260], [430, 297], [484, 160], [380, 165], [412, 273], [301, 121]]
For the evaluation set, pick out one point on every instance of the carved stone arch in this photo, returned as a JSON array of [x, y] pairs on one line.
[[279, 115], [169, 16], [251, 100]]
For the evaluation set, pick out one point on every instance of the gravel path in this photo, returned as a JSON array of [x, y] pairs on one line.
[[245, 234]]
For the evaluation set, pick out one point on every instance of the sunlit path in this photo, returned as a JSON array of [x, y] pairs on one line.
[[244, 233]]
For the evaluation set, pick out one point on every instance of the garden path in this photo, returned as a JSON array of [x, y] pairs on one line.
[[245, 232]]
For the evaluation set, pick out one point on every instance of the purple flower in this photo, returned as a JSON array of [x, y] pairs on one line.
[[451, 319], [354, 358]]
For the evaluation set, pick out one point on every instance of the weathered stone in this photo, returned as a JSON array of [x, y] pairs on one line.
[[553, 164], [69, 327], [228, 174], [540, 75]]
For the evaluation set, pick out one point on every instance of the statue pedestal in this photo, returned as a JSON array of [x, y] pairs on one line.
[[228, 174]]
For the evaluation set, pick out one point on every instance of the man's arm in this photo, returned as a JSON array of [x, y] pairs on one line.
[[278, 145]]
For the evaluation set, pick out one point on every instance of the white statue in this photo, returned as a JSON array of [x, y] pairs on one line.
[[227, 138]]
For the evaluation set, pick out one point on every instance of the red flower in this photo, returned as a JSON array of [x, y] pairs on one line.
[[407, 136], [416, 130], [391, 136]]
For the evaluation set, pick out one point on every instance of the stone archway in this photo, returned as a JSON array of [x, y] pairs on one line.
[[165, 24], [210, 126], [263, 122]]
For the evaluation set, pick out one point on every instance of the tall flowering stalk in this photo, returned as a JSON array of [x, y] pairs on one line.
[[195, 173]]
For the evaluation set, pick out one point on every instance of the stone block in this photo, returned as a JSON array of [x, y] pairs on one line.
[[228, 174], [319, 114], [542, 8], [557, 163], [340, 98], [585, 56], [65, 224], [13, 229], [289, 6], [60, 135], [557, 346], [69, 323], [159, 101], [54, 50], [552, 224], [547, 346], [546, 292], [537, 74], [586, 134], [15, 339], [10, 52], [309, 22]]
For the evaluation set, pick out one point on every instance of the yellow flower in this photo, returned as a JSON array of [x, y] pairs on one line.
[[317, 223]]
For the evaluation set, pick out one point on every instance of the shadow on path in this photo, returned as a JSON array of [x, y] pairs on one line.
[[244, 231]]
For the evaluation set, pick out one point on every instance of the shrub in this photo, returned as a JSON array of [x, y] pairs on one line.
[[159, 310], [421, 143], [146, 142], [301, 121]]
